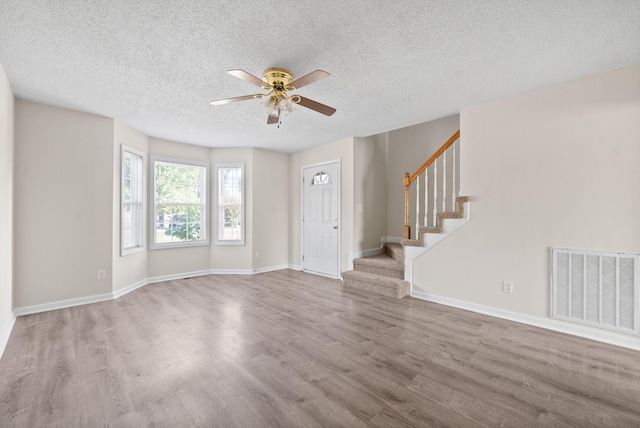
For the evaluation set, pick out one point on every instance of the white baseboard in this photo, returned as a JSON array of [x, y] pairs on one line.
[[546, 323], [173, 276], [270, 269], [61, 304], [295, 267], [130, 288], [5, 333], [232, 272]]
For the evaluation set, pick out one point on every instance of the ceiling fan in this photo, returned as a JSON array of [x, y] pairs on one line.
[[278, 82]]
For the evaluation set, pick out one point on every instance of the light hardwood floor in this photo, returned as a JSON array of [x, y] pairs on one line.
[[292, 349]]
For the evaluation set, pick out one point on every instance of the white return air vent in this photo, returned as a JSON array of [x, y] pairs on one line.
[[595, 288]]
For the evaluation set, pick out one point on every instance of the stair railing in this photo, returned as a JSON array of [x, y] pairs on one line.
[[439, 171]]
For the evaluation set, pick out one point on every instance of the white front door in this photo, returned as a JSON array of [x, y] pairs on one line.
[[321, 218]]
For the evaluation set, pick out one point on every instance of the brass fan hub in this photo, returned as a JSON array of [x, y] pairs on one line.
[[279, 78]]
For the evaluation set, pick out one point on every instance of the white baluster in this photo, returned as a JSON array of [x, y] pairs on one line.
[[417, 206], [453, 175], [426, 197], [444, 181], [435, 191]]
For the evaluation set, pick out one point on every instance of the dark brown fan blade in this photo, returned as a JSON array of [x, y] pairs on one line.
[[274, 117], [305, 80], [241, 74], [314, 105], [234, 99]]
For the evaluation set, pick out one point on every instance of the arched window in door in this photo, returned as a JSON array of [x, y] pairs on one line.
[[321, 178]]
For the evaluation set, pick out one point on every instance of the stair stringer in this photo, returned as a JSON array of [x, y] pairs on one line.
[[430, 239]]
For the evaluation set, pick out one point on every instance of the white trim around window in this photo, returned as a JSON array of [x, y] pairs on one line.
[[230, 202], [131, 201], [179, 205]]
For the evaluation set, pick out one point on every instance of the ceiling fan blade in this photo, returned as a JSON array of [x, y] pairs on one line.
[[241, 74], [274, 117], [314, 105], [307, 79], [234, 99]]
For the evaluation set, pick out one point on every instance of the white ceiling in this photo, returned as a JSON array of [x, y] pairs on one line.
[[155, 65]]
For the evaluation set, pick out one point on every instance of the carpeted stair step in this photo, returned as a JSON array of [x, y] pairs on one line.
[[385, 286], [381, 264], [412, 243], [396, 251]]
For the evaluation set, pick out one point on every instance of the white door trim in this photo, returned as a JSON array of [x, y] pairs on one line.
[[339, 189]]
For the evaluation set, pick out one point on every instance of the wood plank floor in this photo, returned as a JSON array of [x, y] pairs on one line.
[[297, 350]]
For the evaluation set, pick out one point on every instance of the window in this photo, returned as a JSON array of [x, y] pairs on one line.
[[131, 197], [321, 178], [230, 203], [179, 203]]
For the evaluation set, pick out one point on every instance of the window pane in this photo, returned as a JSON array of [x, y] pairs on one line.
[[180, 202], [231, 204], [131, 213], [127, 226], [231, 228]]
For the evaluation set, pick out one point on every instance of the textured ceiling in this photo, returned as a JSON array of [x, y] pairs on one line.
[[155, 65]]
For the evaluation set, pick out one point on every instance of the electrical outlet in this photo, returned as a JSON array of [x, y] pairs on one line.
[[507, 287], [257, 254], [102, 274]]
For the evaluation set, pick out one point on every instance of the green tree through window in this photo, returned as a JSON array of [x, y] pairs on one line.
[[179, 203]]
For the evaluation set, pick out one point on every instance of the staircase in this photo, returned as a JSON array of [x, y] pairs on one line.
[[446, 222], [381, 274], [441, 211]]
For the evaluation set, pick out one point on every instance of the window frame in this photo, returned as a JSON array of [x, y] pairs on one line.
[[138, 221], [220, 207], [204, 194]]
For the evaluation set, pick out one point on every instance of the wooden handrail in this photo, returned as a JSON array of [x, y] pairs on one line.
[[435, 156], [410, 178]]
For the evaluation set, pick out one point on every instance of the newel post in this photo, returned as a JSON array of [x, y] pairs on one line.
[[406, 181]]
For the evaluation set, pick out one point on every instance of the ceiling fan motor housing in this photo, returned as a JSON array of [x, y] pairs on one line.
[[279, 78]]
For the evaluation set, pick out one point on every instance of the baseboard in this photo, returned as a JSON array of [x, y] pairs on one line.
[[546, 323], [6, 333], [174, 276], [130, 288], [61, 304], [270, 269], [231, 271], [295, 267]]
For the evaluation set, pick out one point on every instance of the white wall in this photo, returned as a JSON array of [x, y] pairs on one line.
[[173, 261], [369, 191], [6, 204], [342, 150], [132, 268], [270, 209], [557, 167], [63, 204], [408, 149]]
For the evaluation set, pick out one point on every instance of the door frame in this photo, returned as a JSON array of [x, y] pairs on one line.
[[339, 239]]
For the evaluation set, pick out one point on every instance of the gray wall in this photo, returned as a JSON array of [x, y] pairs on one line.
[[408, 149], [369, 191]]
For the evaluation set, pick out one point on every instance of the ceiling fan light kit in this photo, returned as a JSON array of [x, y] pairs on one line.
[[278, 82]]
